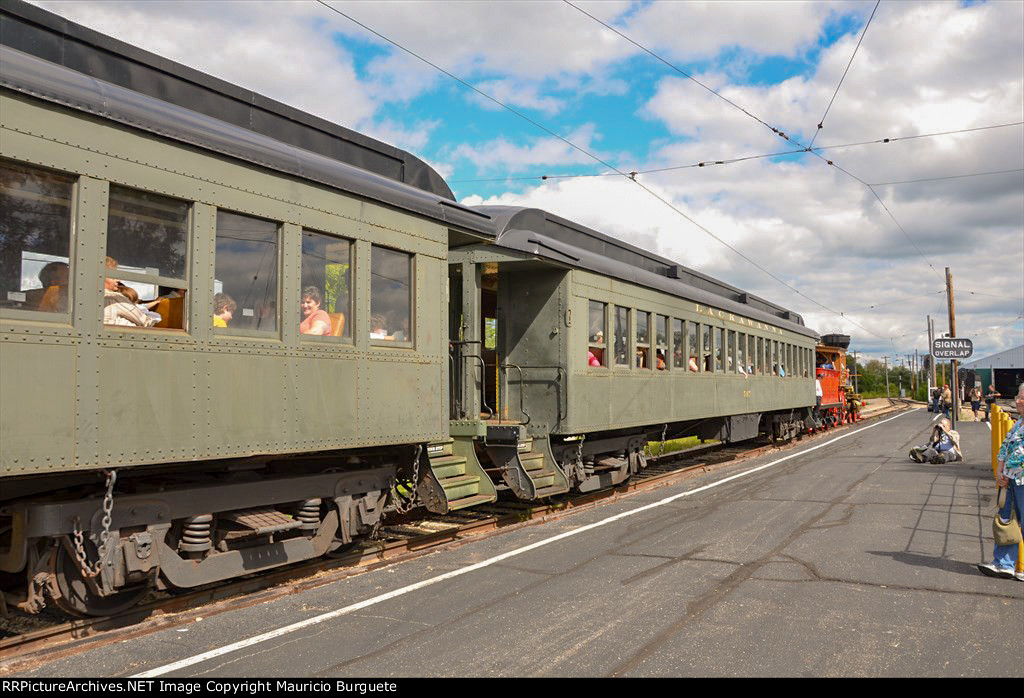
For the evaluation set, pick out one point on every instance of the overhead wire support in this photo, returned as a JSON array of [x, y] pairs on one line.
[[599, 160], [821, 122]]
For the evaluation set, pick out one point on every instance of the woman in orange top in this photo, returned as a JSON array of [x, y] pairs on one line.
[[315, 321]]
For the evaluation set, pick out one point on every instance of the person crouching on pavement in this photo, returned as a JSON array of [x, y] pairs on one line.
[[1011, 476], [943, 446]]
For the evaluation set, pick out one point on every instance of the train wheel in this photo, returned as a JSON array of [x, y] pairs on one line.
[[77, 598]]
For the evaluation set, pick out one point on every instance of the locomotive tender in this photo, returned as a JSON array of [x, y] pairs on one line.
[[470, 351]]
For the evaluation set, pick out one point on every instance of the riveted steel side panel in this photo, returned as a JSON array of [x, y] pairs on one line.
[[247, 396], [90, 266], [326, 401], [37, 420], [397, 401], [146, 404]]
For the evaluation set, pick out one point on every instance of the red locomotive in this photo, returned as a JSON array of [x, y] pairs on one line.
[[840, 404]]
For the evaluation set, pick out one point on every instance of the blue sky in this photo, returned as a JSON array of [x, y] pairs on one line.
[[923, 67]]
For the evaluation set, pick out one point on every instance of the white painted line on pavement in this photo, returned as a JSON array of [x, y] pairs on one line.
[[248, 642]]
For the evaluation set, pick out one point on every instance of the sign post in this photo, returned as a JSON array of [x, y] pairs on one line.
[[954, 349]]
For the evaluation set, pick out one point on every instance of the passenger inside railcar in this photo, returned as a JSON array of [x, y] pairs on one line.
[[379, 327], [223, 309], [118, 309], [54, 280], [314, 320]]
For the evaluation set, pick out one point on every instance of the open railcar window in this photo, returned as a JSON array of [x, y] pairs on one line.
[[35, 239], [147, 245]]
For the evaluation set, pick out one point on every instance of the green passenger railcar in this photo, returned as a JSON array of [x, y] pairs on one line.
[[214, 344], [592, 347]]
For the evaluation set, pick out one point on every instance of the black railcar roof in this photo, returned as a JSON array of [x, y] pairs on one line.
[[48, 36], [551, 237]]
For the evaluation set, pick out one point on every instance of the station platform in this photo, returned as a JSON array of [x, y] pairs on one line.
[[837, 557]]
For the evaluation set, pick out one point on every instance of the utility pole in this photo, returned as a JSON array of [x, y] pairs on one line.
[[931, 338], [955, 412], [856, 367], [886, 360]]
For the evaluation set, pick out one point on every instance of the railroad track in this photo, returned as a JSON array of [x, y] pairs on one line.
[[27, 640]]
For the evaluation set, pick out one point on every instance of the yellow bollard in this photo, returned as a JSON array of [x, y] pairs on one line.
[[994, 422]]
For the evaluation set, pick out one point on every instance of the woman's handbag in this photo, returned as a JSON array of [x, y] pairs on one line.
[[1008, 532]]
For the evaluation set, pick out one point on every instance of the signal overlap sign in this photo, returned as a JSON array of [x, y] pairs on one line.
[[952, 348]]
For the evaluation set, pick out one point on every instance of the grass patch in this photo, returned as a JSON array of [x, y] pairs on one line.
[[672, 445]]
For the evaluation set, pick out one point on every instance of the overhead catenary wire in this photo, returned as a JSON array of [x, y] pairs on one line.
[[821, 122], [708, 162], [599, 160], [936, 179]]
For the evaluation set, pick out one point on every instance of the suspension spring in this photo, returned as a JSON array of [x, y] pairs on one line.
[[196, 533], [309, 515]]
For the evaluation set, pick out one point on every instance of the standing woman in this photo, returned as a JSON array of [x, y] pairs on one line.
[[1010, 476]]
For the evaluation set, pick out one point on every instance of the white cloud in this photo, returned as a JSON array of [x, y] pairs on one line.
[[501, 154]]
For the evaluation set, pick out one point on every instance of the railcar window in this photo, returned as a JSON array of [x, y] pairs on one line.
[[147, 242], [719, 349], [35, 238], [643, 340], [741, 353], [693, 344], [621, 336], [760, 356], [390, 296], [705, 364], [326, 303], [679, 343], [596, 344], [661, 342], [245, 272], [731, 360]]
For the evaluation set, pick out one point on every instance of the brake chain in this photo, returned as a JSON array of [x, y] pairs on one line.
[[87, 569], [403, 505]]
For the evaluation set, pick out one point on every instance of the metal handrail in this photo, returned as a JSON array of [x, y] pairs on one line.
[[483, 371]]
